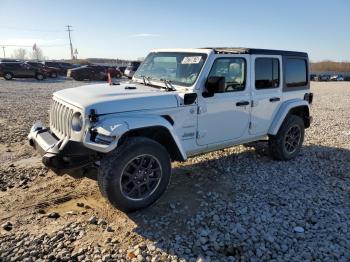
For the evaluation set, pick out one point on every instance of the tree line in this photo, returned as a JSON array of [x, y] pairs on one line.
[[23, 54], [330, 66]]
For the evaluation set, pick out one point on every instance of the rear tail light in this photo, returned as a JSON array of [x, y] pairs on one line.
[[309, 97]]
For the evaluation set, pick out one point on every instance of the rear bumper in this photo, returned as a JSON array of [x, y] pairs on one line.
[[62, 156]]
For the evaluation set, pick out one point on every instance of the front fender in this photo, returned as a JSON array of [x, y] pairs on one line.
[[116, 127], [283, 112]]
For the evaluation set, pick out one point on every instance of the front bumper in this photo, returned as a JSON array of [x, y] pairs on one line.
[[62, 156]]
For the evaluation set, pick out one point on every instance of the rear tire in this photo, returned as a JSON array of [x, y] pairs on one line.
[[39, 76], [135, 175], [289, 139], [8, 76]]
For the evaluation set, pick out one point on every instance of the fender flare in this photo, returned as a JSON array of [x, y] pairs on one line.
[[283, 112], [116, 127]]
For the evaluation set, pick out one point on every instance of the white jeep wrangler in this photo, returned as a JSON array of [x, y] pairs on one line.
[[180, 103]]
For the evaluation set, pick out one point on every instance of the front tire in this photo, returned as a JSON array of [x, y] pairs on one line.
[[135, 175], [289, 139], [8, 76]]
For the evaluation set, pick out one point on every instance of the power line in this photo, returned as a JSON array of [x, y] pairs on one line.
[[70, 41], [32, 46], [30, 30]]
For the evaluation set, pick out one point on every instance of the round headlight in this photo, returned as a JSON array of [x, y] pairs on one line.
[[77, 122]]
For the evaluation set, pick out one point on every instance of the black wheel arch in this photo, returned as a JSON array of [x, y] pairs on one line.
[[159, 134], [303, 112]]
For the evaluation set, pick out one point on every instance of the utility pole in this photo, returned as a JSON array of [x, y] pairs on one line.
[[70, 41], [3, 50]]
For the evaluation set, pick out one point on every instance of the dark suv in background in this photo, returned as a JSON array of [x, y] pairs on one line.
[[131, 69], [9, 70], [93, 72], [48, 70], [62, 66]]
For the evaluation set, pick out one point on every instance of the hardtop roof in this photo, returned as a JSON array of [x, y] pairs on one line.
[[245, 50]]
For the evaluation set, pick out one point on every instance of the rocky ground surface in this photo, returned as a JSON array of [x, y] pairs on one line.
[[230, 205]]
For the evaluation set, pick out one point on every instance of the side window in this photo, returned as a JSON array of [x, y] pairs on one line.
[[267, 73], [234, 71], [296, 72]]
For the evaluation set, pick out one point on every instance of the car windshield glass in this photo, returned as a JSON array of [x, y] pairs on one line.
[[179, 68]]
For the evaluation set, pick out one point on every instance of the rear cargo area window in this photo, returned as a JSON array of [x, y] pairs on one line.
[[296, 72], [267, 73]]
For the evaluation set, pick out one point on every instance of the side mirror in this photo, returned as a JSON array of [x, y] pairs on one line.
[[214, 84]]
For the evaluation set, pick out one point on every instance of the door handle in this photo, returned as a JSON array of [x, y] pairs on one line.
[[275, 99], [242, 103]]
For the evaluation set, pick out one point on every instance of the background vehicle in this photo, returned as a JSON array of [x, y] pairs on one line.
[[9, 60], [122, 69], [313, 77], [180, 103], [49, 71], [131, 69], [336, 78], [10, 70], [62, 66], [323, 77], [93, 72]]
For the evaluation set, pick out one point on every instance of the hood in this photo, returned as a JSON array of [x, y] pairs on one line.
[[105, 98]]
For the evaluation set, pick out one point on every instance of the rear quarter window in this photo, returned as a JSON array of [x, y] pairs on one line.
[[296, 72]]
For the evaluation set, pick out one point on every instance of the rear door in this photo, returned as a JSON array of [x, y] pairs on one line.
[[266, 91]]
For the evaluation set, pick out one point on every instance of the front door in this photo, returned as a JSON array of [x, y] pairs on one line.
[[266, 91], [225, 116]]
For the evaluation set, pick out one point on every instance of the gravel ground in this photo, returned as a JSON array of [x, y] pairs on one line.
[[230, 205]]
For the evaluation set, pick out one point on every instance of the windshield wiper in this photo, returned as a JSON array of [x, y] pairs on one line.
[[168, 85], [144, 78]]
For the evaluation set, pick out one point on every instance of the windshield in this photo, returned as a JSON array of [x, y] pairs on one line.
[[179, 68]]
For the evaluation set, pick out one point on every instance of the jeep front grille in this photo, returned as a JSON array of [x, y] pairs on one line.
[[60, 119]]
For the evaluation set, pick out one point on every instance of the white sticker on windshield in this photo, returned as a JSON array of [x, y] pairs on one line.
[[191, 60]]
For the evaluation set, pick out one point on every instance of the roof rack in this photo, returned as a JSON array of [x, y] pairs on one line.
[[244, 50]]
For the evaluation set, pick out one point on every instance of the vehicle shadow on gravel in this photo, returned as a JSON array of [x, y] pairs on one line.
[[216, 207]]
